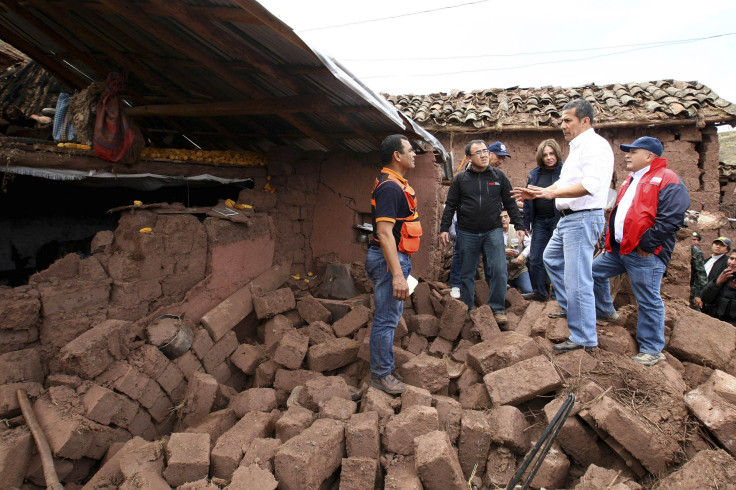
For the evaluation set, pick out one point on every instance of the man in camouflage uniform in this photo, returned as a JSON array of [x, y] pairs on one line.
[[698, 277]]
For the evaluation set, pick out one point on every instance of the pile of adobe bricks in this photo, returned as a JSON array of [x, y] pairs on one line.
[[274, 393]]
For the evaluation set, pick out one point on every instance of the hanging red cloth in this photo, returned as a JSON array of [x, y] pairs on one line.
[[113, 133]]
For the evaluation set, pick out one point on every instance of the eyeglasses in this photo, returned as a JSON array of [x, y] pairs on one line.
[[481, 152]]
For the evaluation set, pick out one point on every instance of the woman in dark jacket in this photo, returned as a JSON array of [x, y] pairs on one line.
[[719, 295], [540, 215]]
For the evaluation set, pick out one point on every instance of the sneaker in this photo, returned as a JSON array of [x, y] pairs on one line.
[[557, 314], [648, 359], [534, 296], [501, 318], [389, 385], [569, 345], [610, 318], [455, 293]]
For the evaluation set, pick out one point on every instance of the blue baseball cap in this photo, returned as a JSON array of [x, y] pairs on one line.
[[499, 149], [645, 143]]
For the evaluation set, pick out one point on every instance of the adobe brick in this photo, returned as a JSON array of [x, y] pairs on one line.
[[200, 396], [262, 399], [247, 358], [414, 395], [401, 330], [332, 354], [308, 459], [222, 373], [522, 381], [151, 395], [21, 366], [362, 437], [576, 438], [261, 452], [576, 362], [650, 447], [149, 480], [319, 390], [375, 400], [425, 325], [426, 372], [187, 458], [274, 302], [105, 407], [149, 360], [170, 380], [142, 425], [318, 332], [346, 326], [215, 424], [265, 374], [9, 406], [252, 477], [162, 409], [401, 474], [337, 409], [484, 323], [92, 352], [312, 310], [358, 473], [220, 351], [453, 319], [202, 343], [109, 475], [449, 414], [273, 329], [188, 364], [553, 471], [712, 404], [502, 350], [474, 442], [293, 422], [460, 352], [132, 383], [508, 427], [421, 299], [291, 349], [711, 468], [401, 429], [468, 378], [286, 380], [15, 456], [203, 484], [702, 339], [437, 462], [228, 450], [475, 397], [500, 468], [417, 343], [440, 347]]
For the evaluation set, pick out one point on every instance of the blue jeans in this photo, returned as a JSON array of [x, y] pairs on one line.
[[542, 229], [455, 266], [522, 283], [388, 310], [569, 262], [645, 275], [491, 244]]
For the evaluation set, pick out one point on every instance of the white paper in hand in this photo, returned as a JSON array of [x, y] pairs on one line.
[[412, 283]]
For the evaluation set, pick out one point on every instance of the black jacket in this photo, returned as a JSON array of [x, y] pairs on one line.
[[477, 198], [718, 267]]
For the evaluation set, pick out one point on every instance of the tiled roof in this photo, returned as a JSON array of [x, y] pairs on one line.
[[662, 101]]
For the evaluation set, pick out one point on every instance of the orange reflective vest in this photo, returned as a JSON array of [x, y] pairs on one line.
[[408, 230]]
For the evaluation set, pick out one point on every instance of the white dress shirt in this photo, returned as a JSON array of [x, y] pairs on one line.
[[625, 203], [710, 262], [590, 163]]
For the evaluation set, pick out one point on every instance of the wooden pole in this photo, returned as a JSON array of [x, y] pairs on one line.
[[47, 460]]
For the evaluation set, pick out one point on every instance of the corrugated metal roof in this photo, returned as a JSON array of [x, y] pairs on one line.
[[181, 53]]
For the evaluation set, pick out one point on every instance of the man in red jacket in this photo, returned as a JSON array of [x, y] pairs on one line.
[[640, 236]]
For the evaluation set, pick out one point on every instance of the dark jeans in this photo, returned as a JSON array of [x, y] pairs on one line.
[[542, 229], [491, 244]]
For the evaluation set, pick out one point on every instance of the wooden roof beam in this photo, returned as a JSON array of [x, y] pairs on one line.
[[269, 20], [222, 38], [278, 106]]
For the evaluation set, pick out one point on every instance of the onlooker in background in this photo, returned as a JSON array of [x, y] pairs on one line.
[[541, 216], [477, 195], [721, 292], [580, 195], [497, 154], [640, 236], [698, 277], [516, 255], [716, 264]]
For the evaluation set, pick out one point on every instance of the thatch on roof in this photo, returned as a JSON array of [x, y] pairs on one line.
[[629, 104]]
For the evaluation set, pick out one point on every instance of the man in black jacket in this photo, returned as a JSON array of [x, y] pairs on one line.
[[715, 265], [478, 195]]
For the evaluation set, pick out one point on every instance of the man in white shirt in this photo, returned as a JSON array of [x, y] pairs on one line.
[[640, 237], [580, 195], [720, 247]]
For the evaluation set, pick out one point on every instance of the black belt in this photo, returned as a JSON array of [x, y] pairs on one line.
[[568, 212]]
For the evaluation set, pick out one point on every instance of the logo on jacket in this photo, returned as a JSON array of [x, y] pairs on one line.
[[494, 183], [656, 180]]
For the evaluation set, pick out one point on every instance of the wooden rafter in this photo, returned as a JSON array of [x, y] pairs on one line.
[[269, 20], [278, 106]]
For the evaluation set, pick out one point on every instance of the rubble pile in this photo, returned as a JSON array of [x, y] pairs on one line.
[[264, 384]]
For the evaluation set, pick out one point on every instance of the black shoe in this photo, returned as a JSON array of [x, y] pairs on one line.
[[534, 296], [557, 314], [569, 345]]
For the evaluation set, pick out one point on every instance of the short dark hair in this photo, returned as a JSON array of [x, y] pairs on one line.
[[467, 147], [389, 145], [540, 151], [582, 107]]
